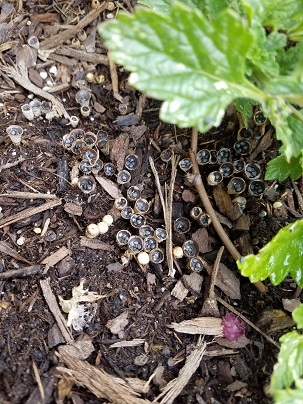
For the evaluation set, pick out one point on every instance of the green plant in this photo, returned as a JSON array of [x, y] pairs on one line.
[[198, 57]]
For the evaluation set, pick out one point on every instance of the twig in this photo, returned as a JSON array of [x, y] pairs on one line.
[[229, 307], [29, 212], [28, 195], [210, 307], [208, 206], [58, 39], [54, 308], [20, 76], [22, 272], [114, 79], [167, 210]]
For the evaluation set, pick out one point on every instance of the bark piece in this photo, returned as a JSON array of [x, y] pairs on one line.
[[200, 325]]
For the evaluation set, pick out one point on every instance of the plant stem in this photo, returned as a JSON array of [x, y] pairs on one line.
[[208, 206]]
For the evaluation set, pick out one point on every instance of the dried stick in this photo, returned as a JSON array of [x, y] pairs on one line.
[[58, 39], [229, 307], [28, 195], [210, 306], [54, 308], [208, 206], [22, 272], [29, 212], [167, 211], [20, 76]]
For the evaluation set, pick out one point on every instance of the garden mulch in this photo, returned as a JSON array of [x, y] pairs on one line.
[[130, 349]]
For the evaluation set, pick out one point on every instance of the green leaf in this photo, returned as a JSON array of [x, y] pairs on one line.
[[288, 123], [279, 168], [163, 6], [196, 66], [291, 61], [297, 315], [283, 255], [286, 386], [263, 55], [209, 7], [279, 14], [245, 107]]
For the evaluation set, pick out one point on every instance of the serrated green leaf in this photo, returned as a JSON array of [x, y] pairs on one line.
[[279, 168], [263, 54], [283, 255], [279, 14], [195, 66], [297, 315], [163, 6], [245, 107], [209, 7], [291, 61], [285, 381], [288, 123]]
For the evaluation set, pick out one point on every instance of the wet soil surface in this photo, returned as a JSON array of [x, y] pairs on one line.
[[139, 302]]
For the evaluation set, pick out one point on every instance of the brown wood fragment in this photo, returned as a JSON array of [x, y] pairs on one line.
[[200, 325], [100, 383], [175, 386], [179, 291], [263, 145], [243, 223], [94, 58], [54, 308], [223, 201], [58, 39], [109, 186], [57, 256], [24, 214], [6, 249], [95, 244], [22, 272], [118, 150], [29, 195], [73, 209]]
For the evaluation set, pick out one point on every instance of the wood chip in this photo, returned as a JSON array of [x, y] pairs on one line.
[[55, 257], [29, 195], [193, 281], [175, 386], [69, 33], [73, 209], [179, 291], [109, 186], [290, 304], [24, 214], [118, 324], [200, 325], [101, 384], [6, 249], [223, 201], [78, 349], [22, 272], [55, 310], [134, 342], [95, 244], [118, 150], [201, 238]]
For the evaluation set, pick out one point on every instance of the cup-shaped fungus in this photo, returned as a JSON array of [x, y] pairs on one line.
[[214, 178], [185, 164], [203, 157], [83, 97], [133, 193], [15, 134], [156, 256], [182, 225], [252, 171], [256, 187], [87, 184], [160, 234], [137, 220], [146, 231], [190, 248], [195, 264], [135, 244], [223, 155], [131, 162], [123, 177], [236, 185], [141, 206], [122, 237]]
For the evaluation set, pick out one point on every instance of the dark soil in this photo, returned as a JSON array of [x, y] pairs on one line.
[[144, 293]]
